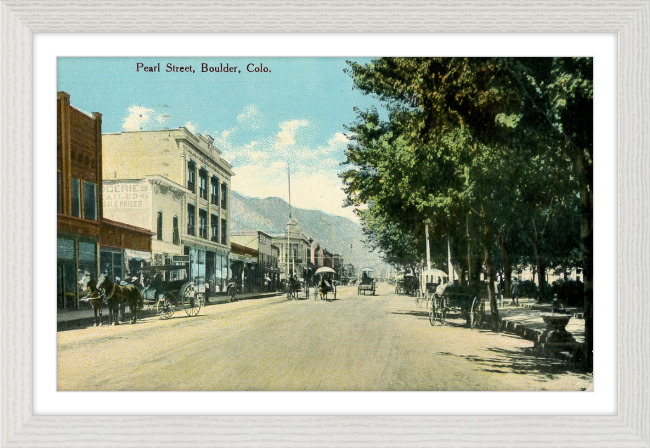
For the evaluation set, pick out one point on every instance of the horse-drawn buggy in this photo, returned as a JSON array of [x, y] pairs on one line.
[[297, 288], [326, 284], [462, 300], [168, 288], [367, 282]]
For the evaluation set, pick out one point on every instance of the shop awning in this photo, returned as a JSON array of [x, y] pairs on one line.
[[138, 255]]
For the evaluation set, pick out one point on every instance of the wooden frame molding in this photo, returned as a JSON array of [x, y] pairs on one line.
[[630, 19]]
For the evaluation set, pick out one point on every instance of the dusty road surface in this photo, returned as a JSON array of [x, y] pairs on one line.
[[381, 342]]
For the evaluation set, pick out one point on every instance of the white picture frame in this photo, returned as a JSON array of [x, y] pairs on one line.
[[629, 19]]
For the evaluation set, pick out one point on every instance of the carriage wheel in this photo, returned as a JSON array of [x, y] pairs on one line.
[[165, 307], [432, 313], [442, 315], [191, 299], [475, 313]]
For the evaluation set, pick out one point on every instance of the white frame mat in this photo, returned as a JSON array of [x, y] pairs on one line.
[[629, 19]]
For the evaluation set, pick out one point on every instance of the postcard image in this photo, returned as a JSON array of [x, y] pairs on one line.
[[324, 224]]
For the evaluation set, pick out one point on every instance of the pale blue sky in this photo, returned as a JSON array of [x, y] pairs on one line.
[[295, 113]]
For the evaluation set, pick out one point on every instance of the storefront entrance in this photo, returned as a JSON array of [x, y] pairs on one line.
[[66, 286]]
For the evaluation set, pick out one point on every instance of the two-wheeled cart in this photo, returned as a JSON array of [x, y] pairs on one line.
[[366, 282]]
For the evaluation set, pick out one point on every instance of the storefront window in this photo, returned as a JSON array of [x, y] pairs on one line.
[[76, 199], [65, 249], [87, 263], [88, 257], [111, 262], [224, 228], [197, 267], [90, 201]]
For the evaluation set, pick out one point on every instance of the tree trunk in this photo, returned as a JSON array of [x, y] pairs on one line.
[[585, 177], [541, 266], [490, 271], [506, 267]]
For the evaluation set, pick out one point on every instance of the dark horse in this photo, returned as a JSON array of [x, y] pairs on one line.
[[95, 297], [118, 295]]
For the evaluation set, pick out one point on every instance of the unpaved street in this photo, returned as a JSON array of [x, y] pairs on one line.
[[354, 343]]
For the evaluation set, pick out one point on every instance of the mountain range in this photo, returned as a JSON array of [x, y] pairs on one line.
[[337, 234]]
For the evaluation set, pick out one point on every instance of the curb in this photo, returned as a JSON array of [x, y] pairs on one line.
[[84, 322], [538, 337]]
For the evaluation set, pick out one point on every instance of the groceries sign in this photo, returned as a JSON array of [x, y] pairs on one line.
[[125, 195]]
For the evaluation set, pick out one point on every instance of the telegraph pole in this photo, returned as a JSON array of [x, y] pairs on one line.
[[426, 234]]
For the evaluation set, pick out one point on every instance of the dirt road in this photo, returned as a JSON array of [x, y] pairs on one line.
[[381, 342]]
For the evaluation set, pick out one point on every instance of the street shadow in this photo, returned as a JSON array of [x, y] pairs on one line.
[[412, 313], [521, 361]]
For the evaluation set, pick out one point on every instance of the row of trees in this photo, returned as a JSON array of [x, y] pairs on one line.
[[493, 153]]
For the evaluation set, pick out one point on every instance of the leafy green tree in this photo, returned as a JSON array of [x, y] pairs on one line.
[[466, 134]]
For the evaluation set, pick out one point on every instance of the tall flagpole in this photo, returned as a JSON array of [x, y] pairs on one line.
[[288, 241]]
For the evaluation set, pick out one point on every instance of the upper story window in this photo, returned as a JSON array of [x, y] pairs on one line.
[[214, 190], [90, 201], [76, 198], [175, 235], [224, 229], [224, 190], [191, 176], [203, 224], [159, 226], [203, 184], [191, 219], [214, 228]]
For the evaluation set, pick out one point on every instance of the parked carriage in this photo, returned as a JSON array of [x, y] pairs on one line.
[[367, 283], [462, 300], [168, 288]]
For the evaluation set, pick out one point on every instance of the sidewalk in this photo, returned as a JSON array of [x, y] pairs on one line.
[[526, 321], [70, 320]]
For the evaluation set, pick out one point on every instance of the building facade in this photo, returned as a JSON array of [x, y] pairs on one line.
[[269, 273], [295, 251], [245, 268], [82, 232], [189, 187], [79, 179]]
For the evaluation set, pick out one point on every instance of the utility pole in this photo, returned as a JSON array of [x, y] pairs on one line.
[[426, 234], [451, 268], [469, 251]]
